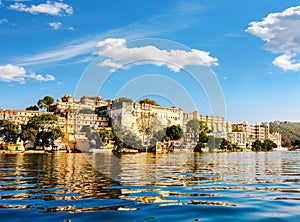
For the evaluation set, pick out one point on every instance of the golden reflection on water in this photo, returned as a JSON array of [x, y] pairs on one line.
[[166, 179], [186, 168], [56, 176]]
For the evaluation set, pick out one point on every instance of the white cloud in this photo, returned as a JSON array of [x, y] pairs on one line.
[[114, 66], [13, 73], [50, 8], [71, 28], [79, 47], [87, 46], [286, 62], [55, 25], [4, 20], [83, 47], [65, 53], [281, 33], [59, 25], [40, 78], [118, 54]]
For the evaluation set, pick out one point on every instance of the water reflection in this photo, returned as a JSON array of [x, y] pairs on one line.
[[132, 182], [51, 176]]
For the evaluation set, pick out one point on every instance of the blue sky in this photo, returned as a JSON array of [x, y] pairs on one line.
[[251, 46]]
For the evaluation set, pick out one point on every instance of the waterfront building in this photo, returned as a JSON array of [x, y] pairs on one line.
[[66, 103], [276, 138], [238, 138], [76, 124], [19, 116], [259, 131], [73, 115], [93, 102], [76, 116], [241, 127], [228, 127], [215, 124], [125, 114], [13, 147], [69, 104]]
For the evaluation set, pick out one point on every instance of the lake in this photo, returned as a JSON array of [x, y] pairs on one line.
[[191, 187]]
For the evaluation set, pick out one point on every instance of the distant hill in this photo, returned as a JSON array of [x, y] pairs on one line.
[[289, 131]]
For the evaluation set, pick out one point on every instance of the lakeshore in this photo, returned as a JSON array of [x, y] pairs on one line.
[[125, 150], [124, 124]]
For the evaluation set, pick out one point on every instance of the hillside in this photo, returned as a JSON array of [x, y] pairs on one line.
[[289, 131]]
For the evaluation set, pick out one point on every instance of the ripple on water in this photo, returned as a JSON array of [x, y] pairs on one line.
[[207, 187]]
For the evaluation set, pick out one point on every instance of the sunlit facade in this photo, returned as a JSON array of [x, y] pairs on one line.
[[259, 131], [215, 124], [125, 114], [19, 116]]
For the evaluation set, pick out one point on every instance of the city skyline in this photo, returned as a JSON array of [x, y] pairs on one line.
[[251, 46]]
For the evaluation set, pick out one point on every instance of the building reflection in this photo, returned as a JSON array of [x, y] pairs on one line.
[[53, 177], [138, 178]]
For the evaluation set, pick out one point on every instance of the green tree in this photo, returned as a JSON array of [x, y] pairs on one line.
[[226, 145], [202, 140], [9, 131], [236, 147], [268, 145], [105, 135], [296, 143], [125, 139], [132, 141], [45, 102], [125, 99], [47, 127], [158, 136], [149, 101], [147, 126], [193, 129], [196, 131], [213, 143], [32, 108], [93, 137], [257, 145], [118, 142], [48, 136], [174, 132], [28, 134]]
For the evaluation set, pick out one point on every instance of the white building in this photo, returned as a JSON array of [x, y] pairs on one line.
[[19, 116], [215, 124], [254, 132], [125, 114], [238, 138]]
